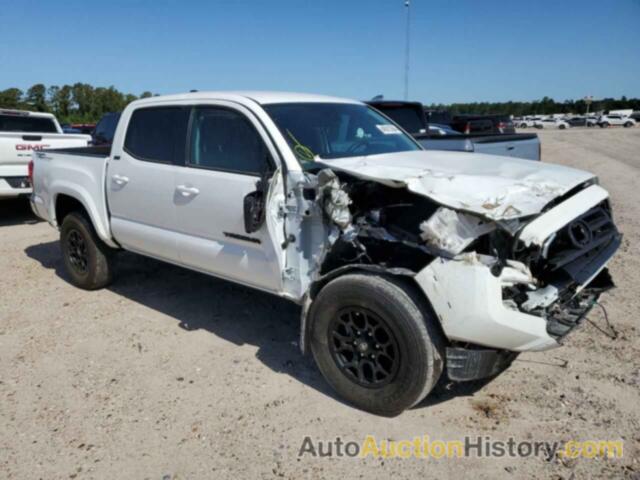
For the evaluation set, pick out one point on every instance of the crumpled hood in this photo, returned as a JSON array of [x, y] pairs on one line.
[[496, 187]]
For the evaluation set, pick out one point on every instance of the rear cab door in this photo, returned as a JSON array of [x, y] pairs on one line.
[[149, 146]]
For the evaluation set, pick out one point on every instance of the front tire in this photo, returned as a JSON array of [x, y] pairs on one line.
[[628, 124], [87, 260], [376, 343]]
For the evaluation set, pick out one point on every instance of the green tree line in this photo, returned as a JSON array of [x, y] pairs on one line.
[[546, 106], [82, 102], [77, 103]]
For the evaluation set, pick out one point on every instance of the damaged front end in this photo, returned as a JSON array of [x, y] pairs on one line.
[[497, 285]]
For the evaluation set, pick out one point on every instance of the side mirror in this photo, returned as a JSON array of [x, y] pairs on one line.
[[253, 207]]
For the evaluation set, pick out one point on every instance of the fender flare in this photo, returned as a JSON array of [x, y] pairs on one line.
[[80, 194], [320, 282]]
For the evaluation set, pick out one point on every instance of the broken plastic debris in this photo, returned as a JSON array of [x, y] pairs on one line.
[[337, 201], [542, 297], [451, 231]]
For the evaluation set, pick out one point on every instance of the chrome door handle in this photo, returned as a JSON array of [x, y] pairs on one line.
[[186, 191], [120, 179]]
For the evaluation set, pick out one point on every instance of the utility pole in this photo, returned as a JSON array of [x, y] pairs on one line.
[[407, 5], [588, 99]]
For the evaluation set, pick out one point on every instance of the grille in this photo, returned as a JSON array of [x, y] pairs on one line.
[[584, 245]]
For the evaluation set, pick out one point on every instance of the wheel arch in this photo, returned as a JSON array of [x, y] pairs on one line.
[[68, 199], [400, 276]]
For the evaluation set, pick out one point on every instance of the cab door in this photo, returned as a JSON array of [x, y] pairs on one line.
[[141, 180], [229, 153]]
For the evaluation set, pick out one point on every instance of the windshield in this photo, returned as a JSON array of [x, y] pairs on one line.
[[337, 130]]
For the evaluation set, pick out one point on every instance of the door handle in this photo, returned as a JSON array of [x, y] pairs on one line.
[[186, 191], [120, 179]]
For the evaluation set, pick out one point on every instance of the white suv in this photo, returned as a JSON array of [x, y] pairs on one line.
[[616, 120], [552, 123]]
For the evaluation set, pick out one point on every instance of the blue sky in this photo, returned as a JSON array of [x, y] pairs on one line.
[[461, 51]]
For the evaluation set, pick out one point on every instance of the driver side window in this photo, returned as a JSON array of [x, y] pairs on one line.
[[223, 139]]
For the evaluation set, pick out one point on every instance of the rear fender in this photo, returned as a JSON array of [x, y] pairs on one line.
[[99, 219]]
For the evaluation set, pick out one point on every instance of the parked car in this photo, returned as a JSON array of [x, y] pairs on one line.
[[527, 122], [616, 120], [21, 133], [489, 124], [551, 122], [582, 121], [69, 129], [105, 129], [411, 117], [440, 117], [577, 121], [86, 128], [439, 129], [408, 264], [635, 116]]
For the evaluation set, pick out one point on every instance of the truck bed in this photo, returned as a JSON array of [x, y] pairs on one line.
[[518, 145], [79, 173]]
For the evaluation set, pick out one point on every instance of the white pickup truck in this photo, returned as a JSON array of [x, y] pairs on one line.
[[21, 133], [408, 264]]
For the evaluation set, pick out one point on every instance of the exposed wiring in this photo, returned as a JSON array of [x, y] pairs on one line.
[[303, 152], [612, 333]]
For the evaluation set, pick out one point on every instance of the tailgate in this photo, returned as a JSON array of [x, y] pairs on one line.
[[16, 148]]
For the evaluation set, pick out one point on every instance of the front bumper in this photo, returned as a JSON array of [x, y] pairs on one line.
[[514, 311], [467, 298]]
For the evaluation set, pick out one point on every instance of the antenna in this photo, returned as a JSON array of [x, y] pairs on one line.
[[407, 4]]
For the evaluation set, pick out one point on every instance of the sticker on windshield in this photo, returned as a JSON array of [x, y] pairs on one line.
[[389, 129]]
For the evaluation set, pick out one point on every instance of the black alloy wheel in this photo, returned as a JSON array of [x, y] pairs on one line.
[[77, 251], [364, 347]]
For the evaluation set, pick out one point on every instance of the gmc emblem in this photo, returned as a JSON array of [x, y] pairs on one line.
[[26, 146]]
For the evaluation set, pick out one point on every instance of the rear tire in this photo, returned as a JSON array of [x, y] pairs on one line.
[[628, 124], [562, 127], [87, 260], [376, 343], [604, 125]]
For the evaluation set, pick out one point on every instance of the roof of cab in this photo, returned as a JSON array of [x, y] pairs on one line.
[[261, 97]]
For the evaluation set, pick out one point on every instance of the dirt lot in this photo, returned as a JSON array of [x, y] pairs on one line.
[[171, 374]]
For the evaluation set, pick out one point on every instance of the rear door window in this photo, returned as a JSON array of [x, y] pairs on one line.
[[158, 134], [20, 123]]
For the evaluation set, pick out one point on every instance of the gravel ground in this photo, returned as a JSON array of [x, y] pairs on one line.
[[172, 374]]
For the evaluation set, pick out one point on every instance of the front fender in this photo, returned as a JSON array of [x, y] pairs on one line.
[[319, 283]]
